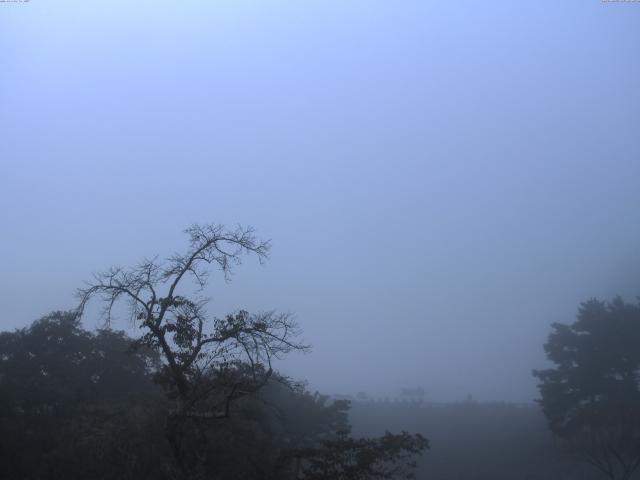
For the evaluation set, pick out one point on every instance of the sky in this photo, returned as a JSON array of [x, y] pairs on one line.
[[440, 180]]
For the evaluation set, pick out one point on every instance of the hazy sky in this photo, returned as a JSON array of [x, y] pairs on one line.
[[441, 180]]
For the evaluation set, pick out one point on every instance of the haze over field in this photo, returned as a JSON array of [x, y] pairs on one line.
[[440, 180]]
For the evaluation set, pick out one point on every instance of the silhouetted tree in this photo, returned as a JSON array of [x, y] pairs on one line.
[[80, 404], [208, 363], [76, 404], [591, 397]]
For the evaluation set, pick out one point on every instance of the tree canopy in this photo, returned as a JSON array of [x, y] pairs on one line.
[[77, 404], [591, 396], [82, 404]]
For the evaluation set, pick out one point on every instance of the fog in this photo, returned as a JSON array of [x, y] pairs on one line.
[[440, 180]]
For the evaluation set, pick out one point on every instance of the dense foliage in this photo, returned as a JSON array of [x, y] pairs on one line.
[[80, 404], [591, 396], [77, 404]]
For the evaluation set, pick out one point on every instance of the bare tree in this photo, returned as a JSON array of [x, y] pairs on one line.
[[208, 363]]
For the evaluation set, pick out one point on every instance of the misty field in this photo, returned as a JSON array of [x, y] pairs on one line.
[[472, 440]]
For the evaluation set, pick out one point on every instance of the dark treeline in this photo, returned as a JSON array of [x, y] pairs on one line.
[[86, 404], [76, 404], [195, 397]]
